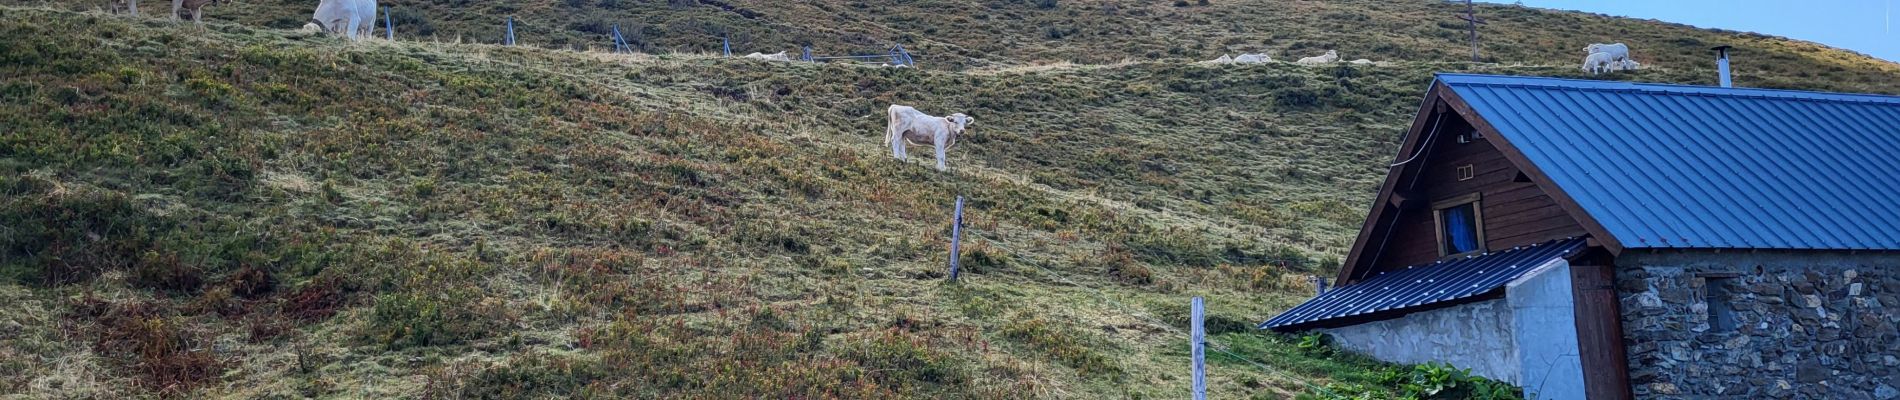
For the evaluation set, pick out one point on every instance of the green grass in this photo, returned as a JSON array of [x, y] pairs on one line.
[[274, 215]]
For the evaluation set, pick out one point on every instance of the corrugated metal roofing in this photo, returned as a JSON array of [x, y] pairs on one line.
[[1426, 284], [1671, 166]]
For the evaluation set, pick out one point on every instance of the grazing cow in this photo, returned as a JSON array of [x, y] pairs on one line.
[[1617, 51], [1362, 61], [351, 18], [1224, 59], [196, 7], [1630, 65], [1598, 63], [909, 126], [1252, 58], [779, 56], [1331, 56]]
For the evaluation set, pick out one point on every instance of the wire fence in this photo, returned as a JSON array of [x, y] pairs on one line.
[[1124, 309]]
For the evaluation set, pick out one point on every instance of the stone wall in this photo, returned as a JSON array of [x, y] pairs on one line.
[[1788, 325]]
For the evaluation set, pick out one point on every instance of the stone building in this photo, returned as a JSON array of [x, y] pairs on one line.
[[1610, 240]]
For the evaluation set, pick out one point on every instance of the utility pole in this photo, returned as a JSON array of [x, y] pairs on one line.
[[1472, 21]]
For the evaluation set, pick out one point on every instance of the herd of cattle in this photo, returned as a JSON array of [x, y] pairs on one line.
[[1331, 56], [1612, 57], [352, 18]]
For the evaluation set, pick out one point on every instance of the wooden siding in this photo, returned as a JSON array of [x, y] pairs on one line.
[[1514, 213], [1599, 328]]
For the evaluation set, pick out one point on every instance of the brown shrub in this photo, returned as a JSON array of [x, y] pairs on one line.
[[318, 299], [251, 282], [168, 360], [166, 272], [1121, 265]]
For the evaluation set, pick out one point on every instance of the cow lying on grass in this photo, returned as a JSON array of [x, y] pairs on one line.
[[779, 56], [909, 126]]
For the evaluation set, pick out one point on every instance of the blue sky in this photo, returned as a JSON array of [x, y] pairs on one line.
[[1865, 26]]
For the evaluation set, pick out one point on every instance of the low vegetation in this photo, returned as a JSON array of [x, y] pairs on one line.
[[245, 211]]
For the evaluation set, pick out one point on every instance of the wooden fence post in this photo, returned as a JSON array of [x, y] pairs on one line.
[[1199, 336], [956, 239]]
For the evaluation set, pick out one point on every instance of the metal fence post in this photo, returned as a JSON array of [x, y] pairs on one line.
[[725, 42], [619, 45], [389, 26], [511, 31], [956, 239], [807, 55], [1198, 336]]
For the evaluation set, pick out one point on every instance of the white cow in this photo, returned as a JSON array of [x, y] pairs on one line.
[[779, 56], [1362, 61], [1331, 56], [1252, 58], [352, 18], [1617, 51], [1630, 65], [912, 127], [1598, 63], [1224, 59]]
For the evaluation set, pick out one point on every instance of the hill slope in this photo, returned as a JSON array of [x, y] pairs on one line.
[[970, 33], [240, 211]]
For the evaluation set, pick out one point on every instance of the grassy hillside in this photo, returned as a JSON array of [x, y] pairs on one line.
[[958, 34], [245, 211]]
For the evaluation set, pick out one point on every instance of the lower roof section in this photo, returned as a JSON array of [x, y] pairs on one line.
[[1423, 286]]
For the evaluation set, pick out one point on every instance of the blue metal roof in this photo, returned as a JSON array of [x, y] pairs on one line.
[[1426, 284], [1672, 166]]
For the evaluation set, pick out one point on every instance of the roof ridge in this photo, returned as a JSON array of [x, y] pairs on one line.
[[1593, 85]]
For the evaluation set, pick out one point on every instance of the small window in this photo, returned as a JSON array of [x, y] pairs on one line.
[[1460, 226], [1716, 295], [1466, 172]]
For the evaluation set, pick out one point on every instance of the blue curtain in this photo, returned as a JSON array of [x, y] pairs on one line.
[[1459, 230]]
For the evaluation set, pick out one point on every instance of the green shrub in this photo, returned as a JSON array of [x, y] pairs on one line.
[[1061, 344], [433, 318]]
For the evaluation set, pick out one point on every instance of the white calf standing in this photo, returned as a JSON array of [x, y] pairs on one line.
[[909, 126], [1598, 63]]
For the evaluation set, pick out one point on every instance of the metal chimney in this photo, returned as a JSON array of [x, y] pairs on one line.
[[1721, 64]]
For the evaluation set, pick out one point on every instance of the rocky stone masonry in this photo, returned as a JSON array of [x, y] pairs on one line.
[[1807, 325]]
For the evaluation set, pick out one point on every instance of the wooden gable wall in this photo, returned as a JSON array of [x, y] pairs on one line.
[[1513, 210]]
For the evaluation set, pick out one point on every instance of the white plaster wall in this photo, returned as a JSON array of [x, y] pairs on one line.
[[1528, 338], [1544, 322], [1477, 336]]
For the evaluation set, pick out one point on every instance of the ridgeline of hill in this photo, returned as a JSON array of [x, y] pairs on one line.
[[1000, 33], [246, 211]]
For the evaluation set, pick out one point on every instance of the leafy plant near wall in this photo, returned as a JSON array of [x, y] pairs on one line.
[[1419, 382], [1422, 382]]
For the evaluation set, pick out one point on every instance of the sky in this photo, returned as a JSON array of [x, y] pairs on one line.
[[1865, 26]]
